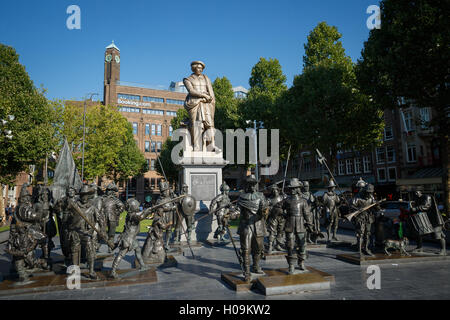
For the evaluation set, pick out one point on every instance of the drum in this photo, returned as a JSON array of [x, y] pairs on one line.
[[421, 224]]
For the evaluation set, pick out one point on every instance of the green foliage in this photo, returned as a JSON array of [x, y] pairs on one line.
[[182, 116], [226, 114], [170, 169], [34, 136], [329, 110], [110, 148]]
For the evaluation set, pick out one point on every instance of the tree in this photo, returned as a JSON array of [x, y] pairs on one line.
[[408, 61], [226, 114], [110, 149], [329, 110], [170, 169], [32, 129]]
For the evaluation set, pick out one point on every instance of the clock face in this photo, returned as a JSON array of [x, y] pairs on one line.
[[108, 58], [117, 59]]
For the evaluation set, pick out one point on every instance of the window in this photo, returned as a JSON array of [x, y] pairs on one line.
[[128, 97], [147, 182], [424, 117], [388, 133], [409, 123], [381, 154], [147, 129], [129, 109], [153, 99], [358, 168], [147, 146], [148, 164], [135, 128], [170, 131], [153, 129], [381, 174], [173, 101], [153, 183], [367, 165], [390, 154], [411, 152], [171, 113], [153, 111], [392, 174], [158, 146], [307, 165], [153, 162], [153, 146], [50, 173], [349, 166], [341, 167], [158, 130]]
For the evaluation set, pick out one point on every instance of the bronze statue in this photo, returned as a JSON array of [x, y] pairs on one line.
[[253, 208], [112, 207], [364, 220], [298, 224], [426, 219], [186, 210], [315, 214], [200, 104], [276, 219], [221, 206], [127, 239], [331, 201]]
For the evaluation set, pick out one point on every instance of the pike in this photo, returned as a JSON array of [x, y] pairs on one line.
[[350, 216], [235, 249], [323, 161], [285, 171]]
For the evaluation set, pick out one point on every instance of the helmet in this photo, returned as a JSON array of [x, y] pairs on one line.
[[86, 189], [251, 179], [305, 183], [132, 205], [294, 183], [224, 187], [163, 186], [361, 183], [331, 184], [369, 188], [112, 187]]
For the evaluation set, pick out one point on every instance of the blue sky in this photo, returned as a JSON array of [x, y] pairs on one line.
[[158, 39]]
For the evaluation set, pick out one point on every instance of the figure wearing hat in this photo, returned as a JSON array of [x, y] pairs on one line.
[[186, 216], [253, 208], [200, 104], [363, 221], [221, 204], [331, 201], [298, 224], [80, 233], [167, 212], [112, 207], [276, 220]]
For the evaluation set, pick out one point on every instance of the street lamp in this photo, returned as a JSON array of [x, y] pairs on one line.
[[84, 131], [256, 125]]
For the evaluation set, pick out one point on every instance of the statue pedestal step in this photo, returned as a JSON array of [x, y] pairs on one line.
[[279, 281], [395, 258], [168, 263]]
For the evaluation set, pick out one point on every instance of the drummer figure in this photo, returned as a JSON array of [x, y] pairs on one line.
[[425, 204]]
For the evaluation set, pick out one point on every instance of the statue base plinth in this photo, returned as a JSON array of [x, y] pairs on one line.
[[169, 262], [395, 258]]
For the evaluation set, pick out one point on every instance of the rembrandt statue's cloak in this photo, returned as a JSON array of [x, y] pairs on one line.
[[196, 107]]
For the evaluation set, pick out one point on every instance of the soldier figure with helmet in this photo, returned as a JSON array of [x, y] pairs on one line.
[[186, 215], [298, 224], [331, 201], [112, 208], [221, 205], [276, 220]]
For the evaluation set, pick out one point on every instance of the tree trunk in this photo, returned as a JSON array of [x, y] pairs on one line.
[[2, 206], [446, 168]]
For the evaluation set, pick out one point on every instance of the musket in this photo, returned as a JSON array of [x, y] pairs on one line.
[[163, 203], [77, 210], [323, 161], [353, 214]]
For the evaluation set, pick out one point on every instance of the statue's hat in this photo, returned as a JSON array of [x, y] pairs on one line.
[[198, 62]]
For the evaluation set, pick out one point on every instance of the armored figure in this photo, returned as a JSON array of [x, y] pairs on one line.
[[315, 214], [112, 208], [44, 208], [364, 220], [127, 239], [425, 204], [80, 232], [200, 105], [186, 215], [25, 234], [154, 248], [253, 208], [298, 223], [276, 220], [331, 201], [221, 204]]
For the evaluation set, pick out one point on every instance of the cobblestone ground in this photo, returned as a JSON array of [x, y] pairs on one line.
[[199, 278]]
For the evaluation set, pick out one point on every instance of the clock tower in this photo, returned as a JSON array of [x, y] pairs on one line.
[[112, 73]]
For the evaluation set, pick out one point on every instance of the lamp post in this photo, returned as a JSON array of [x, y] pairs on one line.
[[256, 125], [84, 132]]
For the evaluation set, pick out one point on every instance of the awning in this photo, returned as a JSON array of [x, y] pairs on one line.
[[419, 181]]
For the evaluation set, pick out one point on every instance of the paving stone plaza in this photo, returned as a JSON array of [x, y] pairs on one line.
[[200, 278]]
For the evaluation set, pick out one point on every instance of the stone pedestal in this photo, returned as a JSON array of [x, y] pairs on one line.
[[395, 258], [202, 172]]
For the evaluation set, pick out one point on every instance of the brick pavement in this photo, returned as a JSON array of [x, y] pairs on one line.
[[199, 279]]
